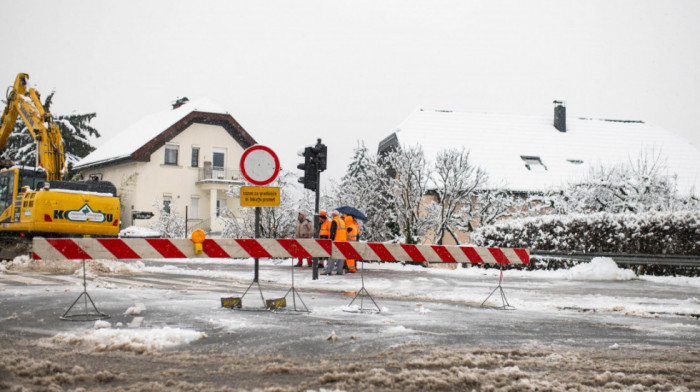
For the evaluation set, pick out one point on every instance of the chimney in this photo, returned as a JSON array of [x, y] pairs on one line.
[[179, 102], [560, 116]]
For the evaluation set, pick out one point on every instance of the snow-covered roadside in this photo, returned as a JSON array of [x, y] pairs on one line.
[[602, 284]]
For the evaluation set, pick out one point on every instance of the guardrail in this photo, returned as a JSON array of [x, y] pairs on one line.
[[627, 259]]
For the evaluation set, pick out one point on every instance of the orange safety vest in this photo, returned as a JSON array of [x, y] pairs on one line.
[[351, 222], [340, 232], [325, 231]]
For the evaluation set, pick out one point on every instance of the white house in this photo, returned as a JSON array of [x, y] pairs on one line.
[[535, 153], [185, 158]]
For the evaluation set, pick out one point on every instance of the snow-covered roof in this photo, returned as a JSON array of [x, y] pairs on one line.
[[505, 145], [139, 134]]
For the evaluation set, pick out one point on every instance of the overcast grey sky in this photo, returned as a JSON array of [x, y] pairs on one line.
[[294, 71]]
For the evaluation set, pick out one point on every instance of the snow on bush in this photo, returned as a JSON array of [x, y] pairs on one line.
[[647, 233], [600, 268]]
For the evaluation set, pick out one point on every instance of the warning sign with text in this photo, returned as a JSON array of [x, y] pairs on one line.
[[260, 196]]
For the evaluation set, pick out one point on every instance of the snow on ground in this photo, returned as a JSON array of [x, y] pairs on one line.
[[600, 268], [105, 338]]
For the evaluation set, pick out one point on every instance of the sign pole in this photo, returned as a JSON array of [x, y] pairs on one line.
[[257, 235]]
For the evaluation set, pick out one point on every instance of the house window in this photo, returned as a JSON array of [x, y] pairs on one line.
[[195, 156], [171, 154], [220, 204], [219, 163], [533, 163], [194, 207], [167, 201]]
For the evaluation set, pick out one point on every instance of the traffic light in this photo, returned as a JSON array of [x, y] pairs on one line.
[[309, 168], [321, 155]]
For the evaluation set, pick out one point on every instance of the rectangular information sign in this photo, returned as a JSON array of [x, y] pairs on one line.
[[260, 196]]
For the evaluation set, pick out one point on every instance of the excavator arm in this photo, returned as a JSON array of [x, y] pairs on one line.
[[26, 103]]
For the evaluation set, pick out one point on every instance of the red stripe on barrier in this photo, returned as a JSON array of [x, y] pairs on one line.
[[413, 253], [381, 251], [35, 256], [118, 248], [523, 255], [253, 248], [294, 248], [69, 248], [166, 248], [444, 254], [499, 256], [212, 249], [471, 254], [347, 250], [327, 245]]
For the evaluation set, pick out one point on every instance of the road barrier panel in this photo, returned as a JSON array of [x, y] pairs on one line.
[[164, 248]]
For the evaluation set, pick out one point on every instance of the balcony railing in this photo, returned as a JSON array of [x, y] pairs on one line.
[[219, 174]]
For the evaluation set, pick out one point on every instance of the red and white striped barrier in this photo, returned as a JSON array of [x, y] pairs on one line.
[[158, 248]]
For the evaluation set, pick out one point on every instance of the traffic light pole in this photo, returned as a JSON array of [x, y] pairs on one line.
[[317, 228], [315, 158]]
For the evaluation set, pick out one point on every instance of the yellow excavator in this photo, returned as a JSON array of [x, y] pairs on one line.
[[36, 201]]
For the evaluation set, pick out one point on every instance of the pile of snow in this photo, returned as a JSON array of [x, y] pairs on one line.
[[600, 268], [24, 263], [136, 309], [139, 232], [103, 338]]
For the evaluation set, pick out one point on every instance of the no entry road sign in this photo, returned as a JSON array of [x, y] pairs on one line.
[[259, 165]]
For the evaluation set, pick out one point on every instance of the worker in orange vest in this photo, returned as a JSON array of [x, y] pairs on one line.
[[324, 231], [353, 230], [338, 233]]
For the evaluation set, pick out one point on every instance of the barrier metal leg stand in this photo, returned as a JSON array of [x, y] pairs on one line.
[[87, 316], [236, 303], [255, 281], [295, 294], [505, 305], [363, 292]]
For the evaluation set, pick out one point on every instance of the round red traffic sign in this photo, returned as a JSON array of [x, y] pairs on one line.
[[259, 165]]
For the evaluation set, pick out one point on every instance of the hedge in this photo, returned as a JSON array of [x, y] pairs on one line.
[[676, 233]]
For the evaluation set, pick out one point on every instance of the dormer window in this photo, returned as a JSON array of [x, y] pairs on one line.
[[533, 163]]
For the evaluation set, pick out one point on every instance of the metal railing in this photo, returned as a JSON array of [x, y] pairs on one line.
[[626, 258], [219, 174]]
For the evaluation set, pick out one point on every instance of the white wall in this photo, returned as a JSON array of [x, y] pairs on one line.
[[141, 184]]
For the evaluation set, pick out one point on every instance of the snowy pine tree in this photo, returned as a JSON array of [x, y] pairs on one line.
[[366, 186], [76, 133]]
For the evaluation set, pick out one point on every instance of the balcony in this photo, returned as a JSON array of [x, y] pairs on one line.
[[218, 175]]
